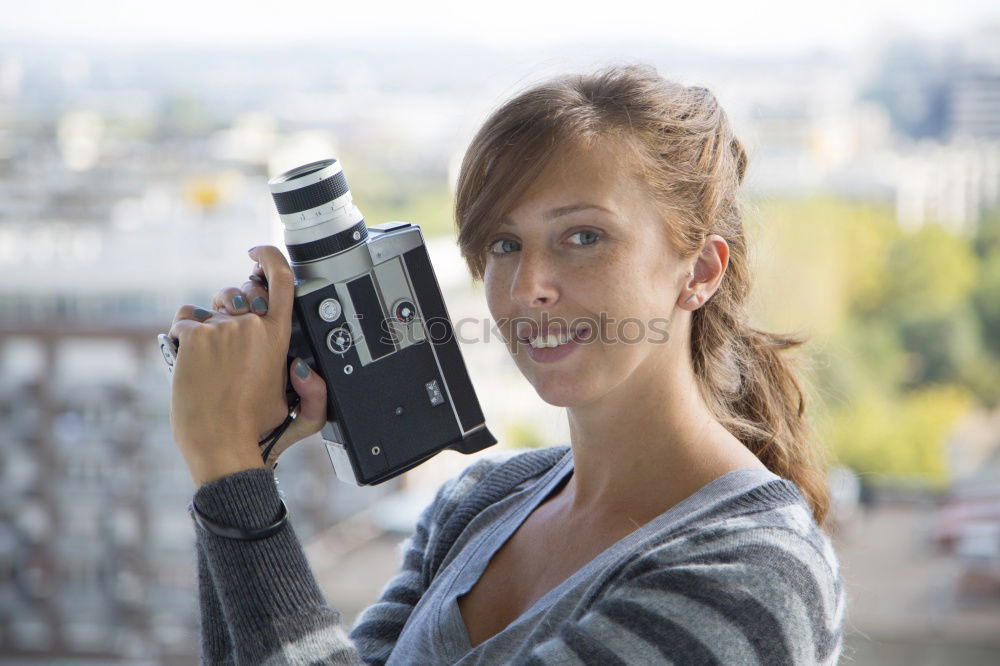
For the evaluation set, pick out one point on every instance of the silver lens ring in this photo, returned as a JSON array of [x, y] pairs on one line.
[[309, 186]]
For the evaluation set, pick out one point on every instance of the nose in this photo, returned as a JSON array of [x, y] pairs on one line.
[[534, 282]]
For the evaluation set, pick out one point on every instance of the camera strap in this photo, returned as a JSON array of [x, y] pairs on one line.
[[268, 442]]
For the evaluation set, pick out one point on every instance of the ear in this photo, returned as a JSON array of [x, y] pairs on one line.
[[705, 276]]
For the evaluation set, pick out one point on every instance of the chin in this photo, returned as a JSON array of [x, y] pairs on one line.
[[564, 387], [559, 401], [565, 393]]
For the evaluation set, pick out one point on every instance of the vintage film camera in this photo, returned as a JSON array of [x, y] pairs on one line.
[[369, 317]]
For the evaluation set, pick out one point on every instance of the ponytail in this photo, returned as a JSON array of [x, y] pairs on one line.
[[752, 387]]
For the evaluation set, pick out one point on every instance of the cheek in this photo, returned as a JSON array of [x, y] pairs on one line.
[[497, 302], [630, 313], [491, 288]]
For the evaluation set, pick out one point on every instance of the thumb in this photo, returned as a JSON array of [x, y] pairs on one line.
[[312, 408], [312, 395]]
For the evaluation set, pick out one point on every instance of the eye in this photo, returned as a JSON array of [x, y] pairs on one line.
[[505, 246], [586, 237]]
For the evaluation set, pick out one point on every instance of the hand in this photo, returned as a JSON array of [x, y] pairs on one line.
[[229, 378], [310, 388]]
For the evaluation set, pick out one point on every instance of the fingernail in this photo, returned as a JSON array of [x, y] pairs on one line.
[[259, 305], [258, 279], [301, 369], [239, 302], [201, 314], [252, 249]]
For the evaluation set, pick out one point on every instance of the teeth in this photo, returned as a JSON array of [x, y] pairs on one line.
[[545, 341], [550, 340]]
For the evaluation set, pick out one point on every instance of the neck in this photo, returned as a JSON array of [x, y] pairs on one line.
[[647, 446]]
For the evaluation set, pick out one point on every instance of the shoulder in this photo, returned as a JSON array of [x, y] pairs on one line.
[[765, 574], [484, 482], [498, 471], [768, 527]]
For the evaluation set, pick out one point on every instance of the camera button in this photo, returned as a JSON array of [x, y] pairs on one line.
[[329, 309], [404, 311], [339, 340]]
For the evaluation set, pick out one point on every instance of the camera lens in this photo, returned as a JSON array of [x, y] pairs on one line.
[[316, 208], [304, 171]]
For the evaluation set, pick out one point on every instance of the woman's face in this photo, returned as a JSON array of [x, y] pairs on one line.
[[585, 254]]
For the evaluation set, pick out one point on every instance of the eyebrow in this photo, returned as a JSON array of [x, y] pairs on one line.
[[566, 210]]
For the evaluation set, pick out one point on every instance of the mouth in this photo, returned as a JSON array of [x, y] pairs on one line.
[[554, 338]]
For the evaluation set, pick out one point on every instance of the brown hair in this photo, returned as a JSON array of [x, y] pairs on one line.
[[693, 164]]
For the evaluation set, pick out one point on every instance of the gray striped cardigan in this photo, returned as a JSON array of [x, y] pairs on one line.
[[759, 562]]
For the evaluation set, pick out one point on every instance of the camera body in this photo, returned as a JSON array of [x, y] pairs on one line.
[[370, 318], [373, 323]]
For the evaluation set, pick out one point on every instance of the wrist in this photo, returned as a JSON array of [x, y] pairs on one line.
[[247, 499], [217, 464], [236, 532]]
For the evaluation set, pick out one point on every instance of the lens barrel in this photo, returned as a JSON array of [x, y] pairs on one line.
[[308, 192], [316, 208]]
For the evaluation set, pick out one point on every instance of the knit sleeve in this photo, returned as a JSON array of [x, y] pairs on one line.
[[215, 646], [269, 602], [760, 595], [260, 601]]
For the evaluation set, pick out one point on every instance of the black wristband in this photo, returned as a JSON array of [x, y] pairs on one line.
[[239, 533]]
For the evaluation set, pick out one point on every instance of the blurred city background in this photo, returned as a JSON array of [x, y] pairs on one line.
[[135, 146]]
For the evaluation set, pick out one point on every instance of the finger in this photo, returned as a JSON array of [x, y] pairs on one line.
[[257, 275], [280, 282], [312, 409], [312, 393], [191, 312], [257, 296], [181, 329], [232, 300]]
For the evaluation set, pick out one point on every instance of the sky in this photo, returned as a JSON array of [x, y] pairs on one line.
[[723, 27]]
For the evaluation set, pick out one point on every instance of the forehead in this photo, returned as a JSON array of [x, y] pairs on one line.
[[595, 175]]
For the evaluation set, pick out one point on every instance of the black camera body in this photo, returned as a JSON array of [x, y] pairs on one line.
[[370, 318]]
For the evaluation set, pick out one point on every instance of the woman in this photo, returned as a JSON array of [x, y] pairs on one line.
[[680, 526]]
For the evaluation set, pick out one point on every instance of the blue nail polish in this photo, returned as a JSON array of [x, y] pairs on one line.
[[239, 302], [201, 314], [301, 369], [259, 305]]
